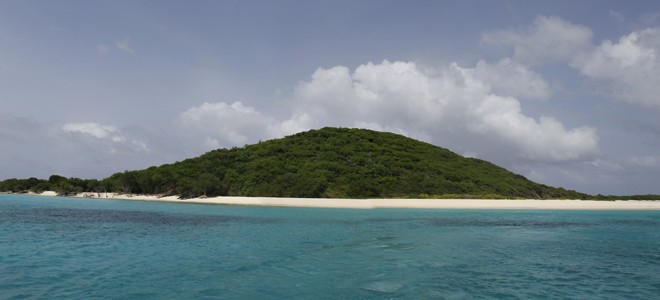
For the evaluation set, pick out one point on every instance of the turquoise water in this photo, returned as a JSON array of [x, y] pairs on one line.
[[84, 249]]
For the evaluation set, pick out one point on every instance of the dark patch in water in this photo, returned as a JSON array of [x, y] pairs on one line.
[[446, 222], [503, 223], [512, 223], [339, 222], [636, 222], [60, 215], [386, 220]]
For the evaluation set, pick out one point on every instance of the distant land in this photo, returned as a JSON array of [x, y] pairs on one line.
[[324, 163]]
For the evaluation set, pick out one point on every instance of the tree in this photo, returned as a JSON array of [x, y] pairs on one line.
[[207, 184]]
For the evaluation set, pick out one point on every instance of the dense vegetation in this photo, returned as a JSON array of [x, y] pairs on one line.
[[330, 162], [60, 184]]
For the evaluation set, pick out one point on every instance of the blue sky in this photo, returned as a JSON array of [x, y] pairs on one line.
[[562, 92]]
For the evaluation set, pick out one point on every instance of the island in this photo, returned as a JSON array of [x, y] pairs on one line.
[[328, 163]]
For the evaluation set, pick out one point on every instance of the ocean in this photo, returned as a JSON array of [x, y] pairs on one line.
[[65, 248]]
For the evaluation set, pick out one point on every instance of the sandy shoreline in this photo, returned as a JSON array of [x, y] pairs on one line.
[[391, 203]]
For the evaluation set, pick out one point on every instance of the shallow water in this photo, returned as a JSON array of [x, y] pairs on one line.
[[54, 247]]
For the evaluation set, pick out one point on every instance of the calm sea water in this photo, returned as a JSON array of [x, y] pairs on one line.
[[84, 249]]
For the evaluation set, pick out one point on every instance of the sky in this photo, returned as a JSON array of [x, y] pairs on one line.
[[565, 93]]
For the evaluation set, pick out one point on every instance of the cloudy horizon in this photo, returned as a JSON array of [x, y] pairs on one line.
[[563, 93]]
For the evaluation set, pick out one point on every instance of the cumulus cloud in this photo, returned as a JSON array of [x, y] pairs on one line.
[[542, 140], [374, 93], [631, 65], [440, 104], [450, 104], [628, 68], [549, 40]]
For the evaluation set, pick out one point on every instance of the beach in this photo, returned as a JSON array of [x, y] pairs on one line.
[[390, 203]]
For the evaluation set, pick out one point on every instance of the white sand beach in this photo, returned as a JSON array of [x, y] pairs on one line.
[[392, 203]]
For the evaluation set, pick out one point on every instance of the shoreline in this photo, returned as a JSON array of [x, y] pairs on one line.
[[387, 203]]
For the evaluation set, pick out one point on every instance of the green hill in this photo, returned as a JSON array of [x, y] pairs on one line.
[[330, 162], [335, 163]]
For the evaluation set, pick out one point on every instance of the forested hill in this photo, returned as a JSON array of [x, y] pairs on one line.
[[330, 162]]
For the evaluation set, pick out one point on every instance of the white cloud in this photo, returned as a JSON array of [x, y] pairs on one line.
[[513, 79], [123, 45], [628, 68], [543, 140], [387, 93], [298, 122], [111, 137], [631, 65], [548, 40], [632, 51], [447, 104], [93, 129], [223, 125]]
